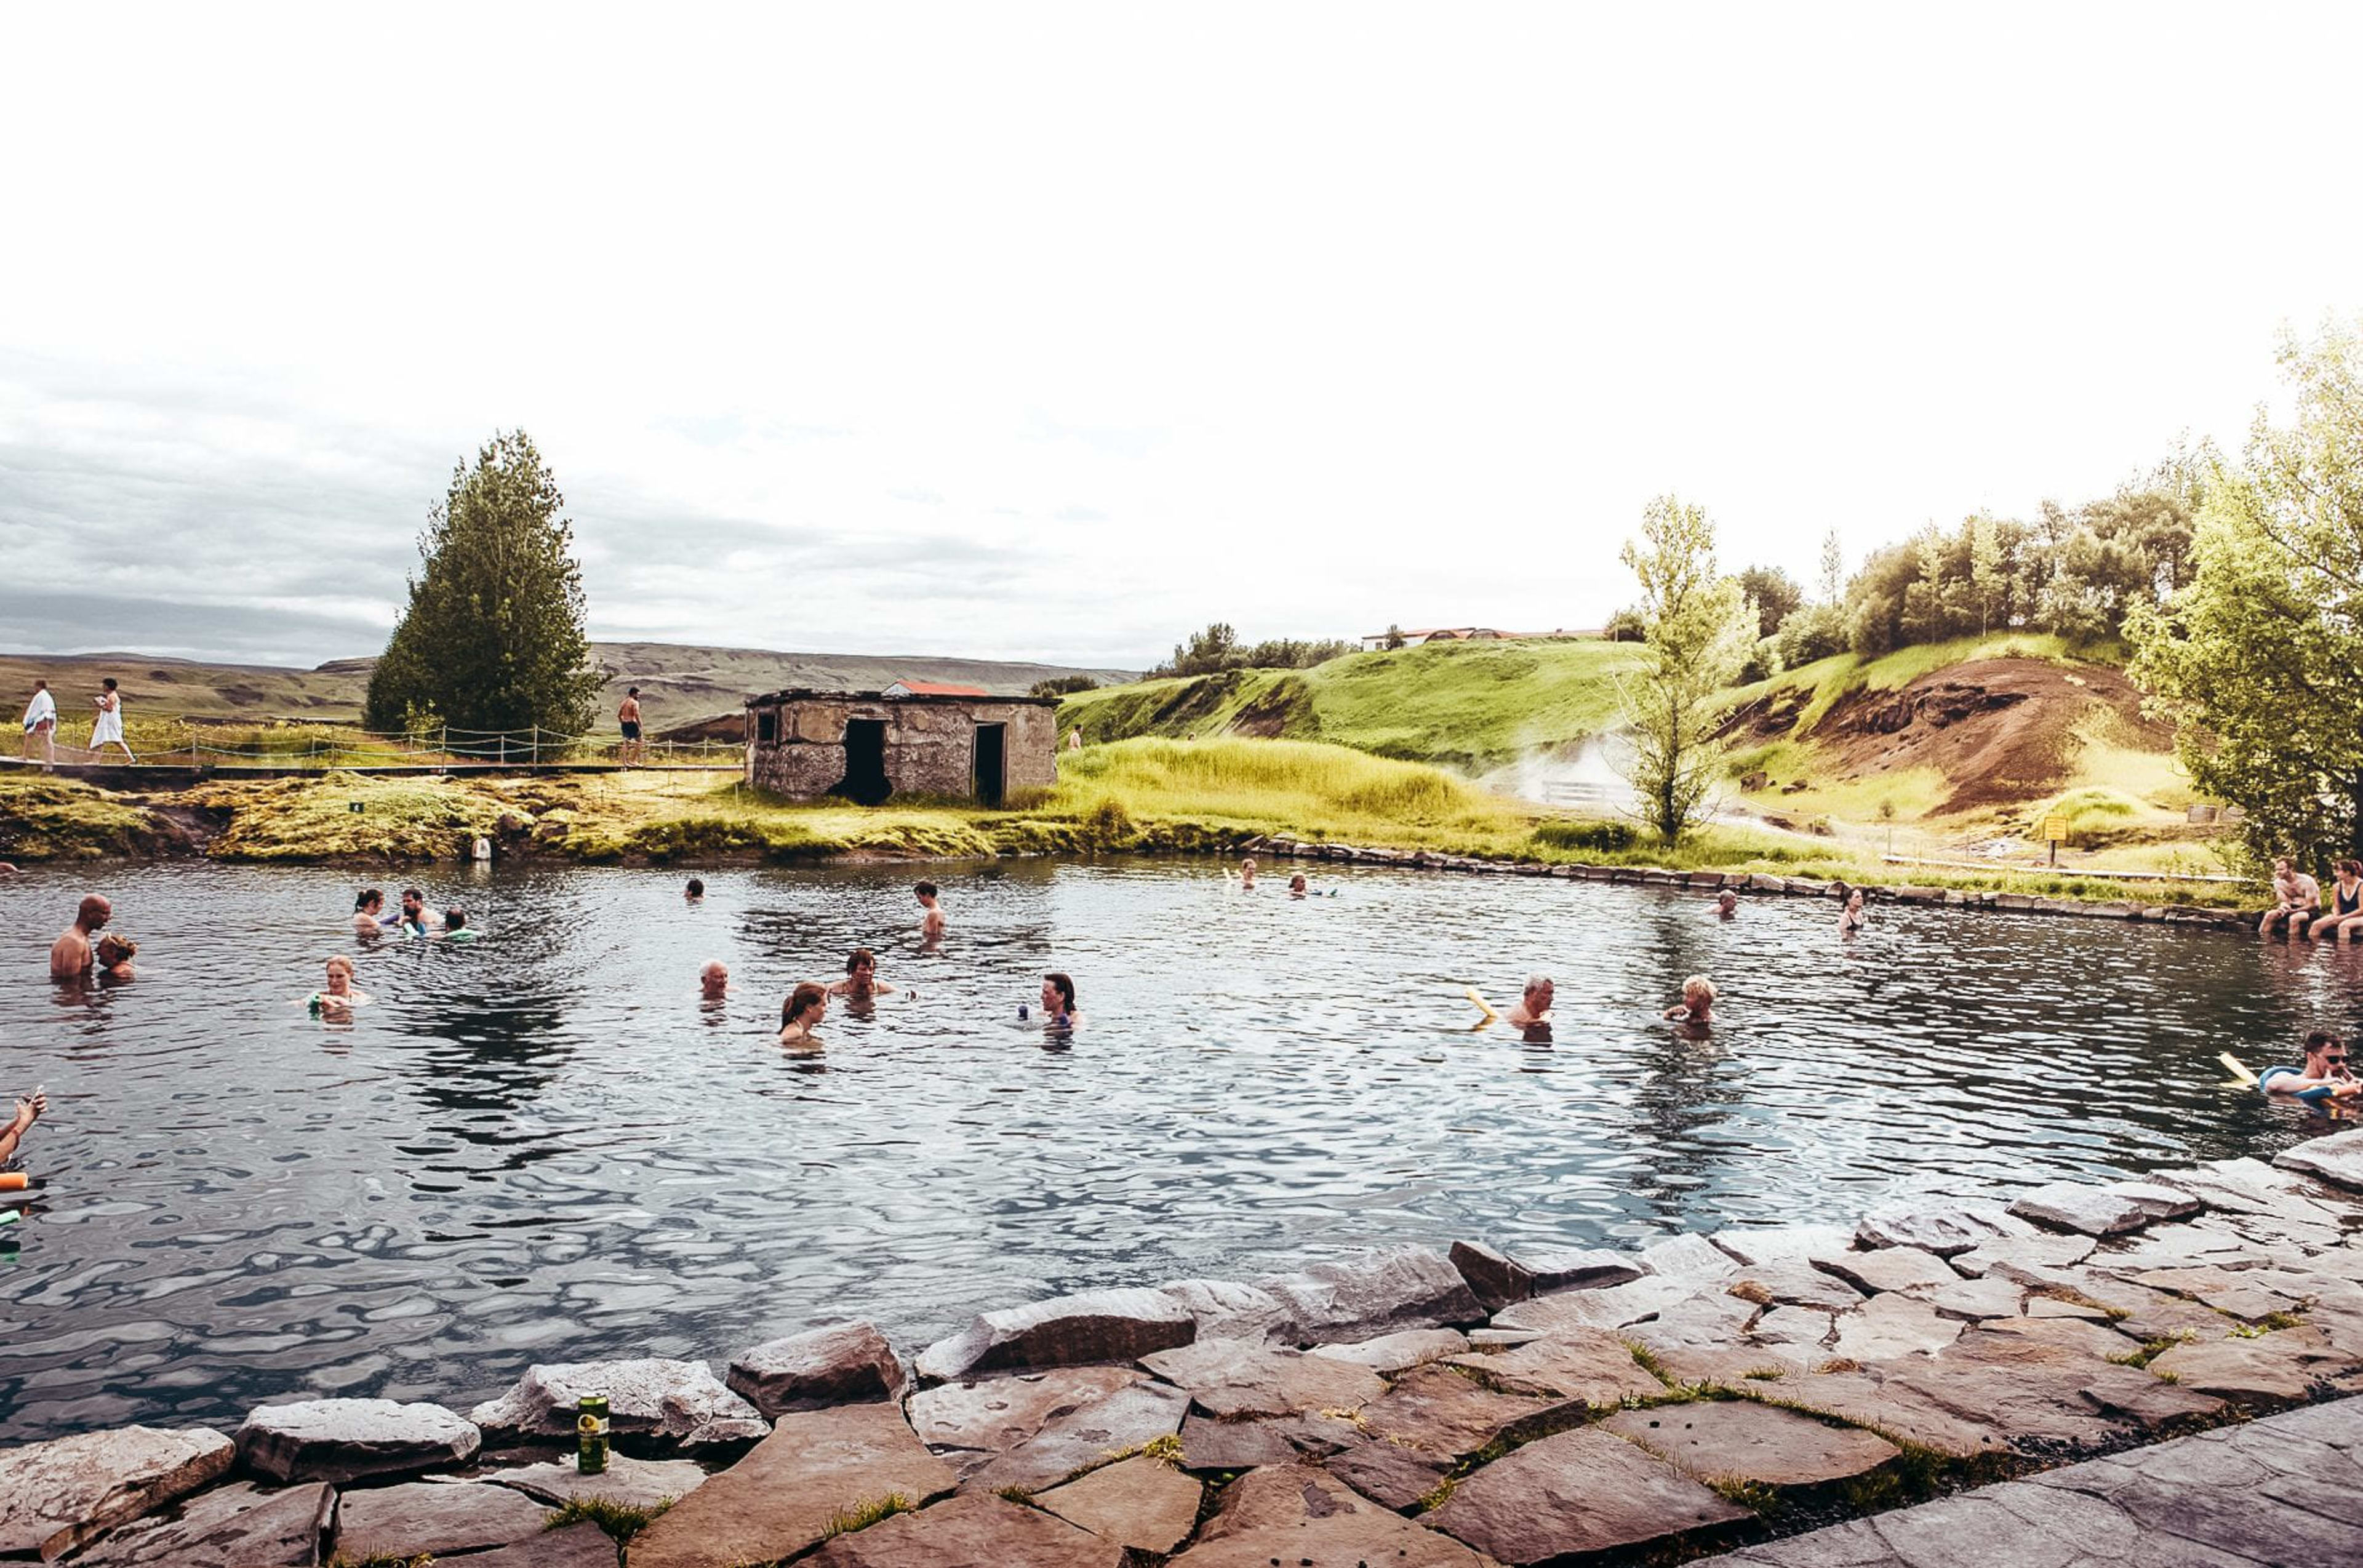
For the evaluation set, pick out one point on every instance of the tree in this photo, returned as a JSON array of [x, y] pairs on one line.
[[1985, 568], [1394, 638], [493, 637], [1698, 628], [1833, 568], [1063, 686], [1776, 593], [2260, 657]]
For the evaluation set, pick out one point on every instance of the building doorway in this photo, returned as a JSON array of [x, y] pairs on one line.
[[865, 782], [992, 763]]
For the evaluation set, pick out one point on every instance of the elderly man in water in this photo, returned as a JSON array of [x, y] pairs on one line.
[[714, 980], [1534, 1006], [70, 956], [1727, 904]]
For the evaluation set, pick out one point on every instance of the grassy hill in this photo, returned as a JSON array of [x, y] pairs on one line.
[[1472, 707], [678, 683]]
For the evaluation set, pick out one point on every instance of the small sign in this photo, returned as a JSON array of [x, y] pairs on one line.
[[353, 805], [2055, 830]]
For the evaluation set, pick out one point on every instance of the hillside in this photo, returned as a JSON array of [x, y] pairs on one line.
[[680, 684]]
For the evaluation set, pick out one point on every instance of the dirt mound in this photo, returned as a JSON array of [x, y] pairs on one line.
[[2002, 730]]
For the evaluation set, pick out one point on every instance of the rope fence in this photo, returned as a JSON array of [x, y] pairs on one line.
[[181, 740]]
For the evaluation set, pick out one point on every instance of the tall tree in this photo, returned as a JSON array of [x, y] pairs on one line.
[[1985, 568], [492, 637], [1776, 595], [2260, 657], [1833, 568], [1698, 626]]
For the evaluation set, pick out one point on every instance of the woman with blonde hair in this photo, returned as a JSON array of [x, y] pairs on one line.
[[1697, 1005]]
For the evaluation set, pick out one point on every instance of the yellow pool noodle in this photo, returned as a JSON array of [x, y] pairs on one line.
[[2240, 1075], [1482, 1005]]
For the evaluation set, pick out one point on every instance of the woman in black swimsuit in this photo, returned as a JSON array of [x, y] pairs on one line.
[[2346, 914]]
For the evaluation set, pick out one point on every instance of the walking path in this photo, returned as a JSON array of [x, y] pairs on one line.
[[2286, 1489]]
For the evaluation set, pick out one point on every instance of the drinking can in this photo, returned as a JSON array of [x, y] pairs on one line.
[[590, 1434]]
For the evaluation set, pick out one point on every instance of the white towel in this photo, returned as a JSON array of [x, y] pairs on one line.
[[42, 708]]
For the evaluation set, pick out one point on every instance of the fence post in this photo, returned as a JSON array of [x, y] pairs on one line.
[[505, 747], [537, 745]]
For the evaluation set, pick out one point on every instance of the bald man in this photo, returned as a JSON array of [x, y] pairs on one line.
[[69, 956]]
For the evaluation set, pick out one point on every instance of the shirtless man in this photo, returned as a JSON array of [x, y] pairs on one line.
[[415, 918], [2324, 1077], [931, 924], [2298, 898], [627, 717], [71, 957], [714, 980], [1534, 1006], [861, 982], [1727, 904]]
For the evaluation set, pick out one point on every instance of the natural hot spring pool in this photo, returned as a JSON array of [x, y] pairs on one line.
[[542, 1146]]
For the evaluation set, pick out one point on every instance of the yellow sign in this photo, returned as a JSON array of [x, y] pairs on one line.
[[2055, 830]]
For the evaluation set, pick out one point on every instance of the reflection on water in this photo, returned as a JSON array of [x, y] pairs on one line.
[[548, 1143]]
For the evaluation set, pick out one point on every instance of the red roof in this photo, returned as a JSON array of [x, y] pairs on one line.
[[937, 689]]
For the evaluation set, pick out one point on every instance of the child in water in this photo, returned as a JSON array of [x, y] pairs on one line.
[[1697, 1005]]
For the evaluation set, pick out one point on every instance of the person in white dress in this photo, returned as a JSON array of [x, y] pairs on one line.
[[41, 724], [109, 727]]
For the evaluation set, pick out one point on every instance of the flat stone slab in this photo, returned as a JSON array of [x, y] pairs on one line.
[[56, 1496], [1893, 1409], [670, 1401], [237, 1526], [583, 1545], [1887, 1326], [353, 1439], [989, 1414], [1291, 1514], [1391, 1353], [784, 1496], [968, 1533], [2041, 1252], [2286, 1364], [422, 1519], [2337, 1158], [1792, 1282], [1226, 1309], [1444, 1415], [1690, 1257], [1231, 1378], [1888, 1269], [1066, 1330], [1973, 1300], [1588, 1364], [1361, 1299], [1780, 1244], [1139, 1502], [2108, 1209], [1209, 1444], [1086, 1435], [1581, 1491], [633, 1483], [844, 1364], [1940, 1228], [1611, 1308], [1388, 1472], [1738, 1440]]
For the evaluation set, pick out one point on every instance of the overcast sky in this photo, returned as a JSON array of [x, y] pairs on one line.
[[1052, 333]]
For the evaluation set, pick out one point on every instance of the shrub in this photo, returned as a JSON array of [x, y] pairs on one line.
[[1602, 835]]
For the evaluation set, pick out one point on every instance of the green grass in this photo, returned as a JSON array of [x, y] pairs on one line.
[[45, 818], [620, 1520], [1823, 682], [862, 1516]]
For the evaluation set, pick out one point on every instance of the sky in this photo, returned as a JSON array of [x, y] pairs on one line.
[[1056, 332]]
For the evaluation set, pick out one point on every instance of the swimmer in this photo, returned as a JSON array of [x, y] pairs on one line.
[[861, 982], [1247, 875], [114, 955], [337, 995], [1296, 887], [1058, 1009], [71, 954], [1727, 904], [931, 924], [368, 913], [804, 1007], [1534, 1006], [1697, 1005], [714, 980], [415, 918], [2297, 898], [695, 891], [28, 1111], [1852, 919], [2322, 1077], [2346, 904], [456, 928]]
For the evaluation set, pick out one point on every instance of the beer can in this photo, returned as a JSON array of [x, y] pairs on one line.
[[590, 1434]]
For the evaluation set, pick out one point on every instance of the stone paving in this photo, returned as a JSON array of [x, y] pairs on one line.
[[1408, 1407]]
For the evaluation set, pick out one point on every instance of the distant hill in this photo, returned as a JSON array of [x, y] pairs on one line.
[[680, 685]]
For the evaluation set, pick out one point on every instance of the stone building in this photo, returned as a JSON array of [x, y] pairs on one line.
[[912, 739]]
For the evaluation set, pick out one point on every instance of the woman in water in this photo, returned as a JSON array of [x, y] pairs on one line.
[[369, 912], [1852, 919], [114, 955], [1058, 1009], [1697, 1005], [2346, 904], [336, 995], [804, 1007]]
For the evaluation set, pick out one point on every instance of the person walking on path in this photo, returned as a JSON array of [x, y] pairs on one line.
[[42, 725], [109, 729], [627, 718]]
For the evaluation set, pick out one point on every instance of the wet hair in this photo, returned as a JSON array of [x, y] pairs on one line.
[[1699, 985], [114, 950], [697, 888], [859, 957], [454, 918], [1535, 983], [802, 997], [1066, 989], [2321, 1040], [926, 890], [1730, 893], [338, 961], [1296, 883], [367, 897]]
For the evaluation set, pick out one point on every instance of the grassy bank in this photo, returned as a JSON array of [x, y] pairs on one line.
[[1150, 796]]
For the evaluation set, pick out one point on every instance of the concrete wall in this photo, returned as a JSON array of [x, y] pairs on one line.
[[930, 746]]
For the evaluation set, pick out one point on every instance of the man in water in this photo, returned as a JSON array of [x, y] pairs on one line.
[[455, 925], [627, 718], [861, 982], [414, 912], [2298, 899], [1535, 1005], [2324, 1077], [714, 980], [1727, 904], [695, 891], [70, 956], [931, 924]]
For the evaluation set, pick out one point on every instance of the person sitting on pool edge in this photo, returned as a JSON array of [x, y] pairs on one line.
[[2346, 904], [1697, 1005], [1059, 1008], [805, 1006], [2322, 1077], [28, 1111], [2298, 898], [1534, 1005], [861, 982]]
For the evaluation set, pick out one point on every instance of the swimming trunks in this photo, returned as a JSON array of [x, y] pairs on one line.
[[631, 730]]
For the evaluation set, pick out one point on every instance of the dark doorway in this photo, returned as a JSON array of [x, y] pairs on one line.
[[992, 763], [865, 782]]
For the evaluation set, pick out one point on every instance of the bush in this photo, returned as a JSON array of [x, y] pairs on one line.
[[1817, 631], [1602, 837], [1064, 685]]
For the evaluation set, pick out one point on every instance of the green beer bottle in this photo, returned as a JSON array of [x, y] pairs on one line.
[[590, 1434]]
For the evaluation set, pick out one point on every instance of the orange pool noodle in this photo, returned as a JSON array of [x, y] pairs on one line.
[[14, 1182]]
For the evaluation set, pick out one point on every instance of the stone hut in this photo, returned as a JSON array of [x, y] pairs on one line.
[[913, 738]]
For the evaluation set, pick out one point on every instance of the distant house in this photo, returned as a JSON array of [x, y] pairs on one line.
[[1472, 634], [914, 738]]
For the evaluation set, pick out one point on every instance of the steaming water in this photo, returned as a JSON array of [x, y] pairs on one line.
[[542, 1146]]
